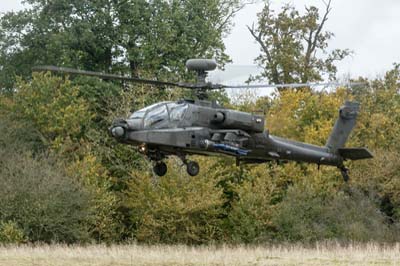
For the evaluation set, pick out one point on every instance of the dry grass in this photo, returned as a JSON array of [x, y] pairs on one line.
[[332, 254]]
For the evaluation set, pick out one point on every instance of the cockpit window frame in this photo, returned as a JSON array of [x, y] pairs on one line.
[[183, 112], [159, 108], [145, 110], [152, 107]]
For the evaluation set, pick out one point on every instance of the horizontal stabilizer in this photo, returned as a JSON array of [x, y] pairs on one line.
[[355, 153]]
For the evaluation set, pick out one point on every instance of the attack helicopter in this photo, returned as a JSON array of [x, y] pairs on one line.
[[201, 127]]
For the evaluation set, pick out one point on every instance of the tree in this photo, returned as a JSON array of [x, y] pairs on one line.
[[53, 107], [380, 119], [135, 37], [175, 209], [59, 120], [292, 45]]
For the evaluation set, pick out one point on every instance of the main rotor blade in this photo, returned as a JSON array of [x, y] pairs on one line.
[[292, 85], [106, 76]]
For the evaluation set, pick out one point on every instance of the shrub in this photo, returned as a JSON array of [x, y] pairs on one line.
[[249, 219], [382, 174], [10, 233], [175, 208], [46, 204], [104, 222], [53, 107], [307, 214]]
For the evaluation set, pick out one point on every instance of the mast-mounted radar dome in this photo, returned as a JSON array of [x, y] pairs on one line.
[[201, 64]]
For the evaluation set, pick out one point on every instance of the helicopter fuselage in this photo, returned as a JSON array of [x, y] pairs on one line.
[[205, 128]]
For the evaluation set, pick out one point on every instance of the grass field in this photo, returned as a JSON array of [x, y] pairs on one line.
[[332, 254]]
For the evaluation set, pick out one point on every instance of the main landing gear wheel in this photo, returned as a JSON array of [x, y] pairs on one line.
[[192, 168], [160, 169]]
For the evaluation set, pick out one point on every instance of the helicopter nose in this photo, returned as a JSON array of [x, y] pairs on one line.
[[117, 132], [118, 128]]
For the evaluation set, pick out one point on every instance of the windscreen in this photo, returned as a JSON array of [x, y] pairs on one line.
[[177, 111], [140, 114], [157, 117], [161, 114]]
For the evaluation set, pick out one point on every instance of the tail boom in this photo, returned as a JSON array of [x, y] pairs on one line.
[[334, 152]]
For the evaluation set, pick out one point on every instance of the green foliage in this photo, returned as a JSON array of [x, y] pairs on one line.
[[10, 233], [176, 209], [379, 121], [53, 107], [14, 136], [65, 180], [309, 215], [59, 116], [136, 37], [250, 217], [104, 220], [305, 115], [40, 200], [101, 98], [120, 199], [291, 45], [382, 176]]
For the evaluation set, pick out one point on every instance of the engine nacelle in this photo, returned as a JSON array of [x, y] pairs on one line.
[[243, 121]]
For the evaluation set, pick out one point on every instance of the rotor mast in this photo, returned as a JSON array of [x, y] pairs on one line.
[[201, 67]]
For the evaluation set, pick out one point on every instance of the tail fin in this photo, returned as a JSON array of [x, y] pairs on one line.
[[343, 126]]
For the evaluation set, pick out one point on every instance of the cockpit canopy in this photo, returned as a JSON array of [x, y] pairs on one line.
[[159, 115]]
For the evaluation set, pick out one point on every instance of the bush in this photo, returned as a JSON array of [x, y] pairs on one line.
[[383, 177], [175, 208], [104, 222], [10, 233], [307, 214], [40, 200], [249, 219], [51, 104]]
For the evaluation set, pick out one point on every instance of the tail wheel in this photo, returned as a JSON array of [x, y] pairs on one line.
[[192, 168], [160, 169]]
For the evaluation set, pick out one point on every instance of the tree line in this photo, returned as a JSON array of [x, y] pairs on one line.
[[65, 180]]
